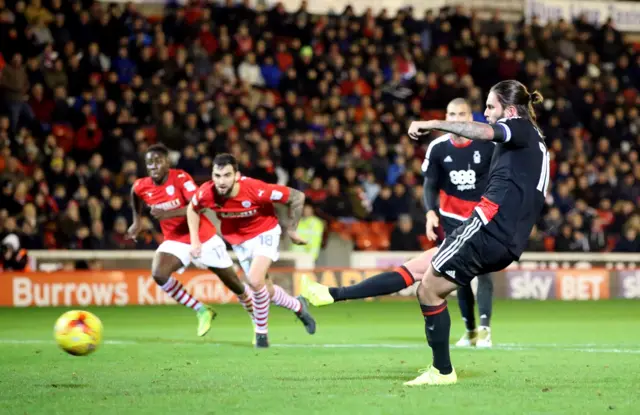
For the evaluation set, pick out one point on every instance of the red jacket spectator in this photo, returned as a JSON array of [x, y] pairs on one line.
[[208, 40], [89, 136], [41, 105]]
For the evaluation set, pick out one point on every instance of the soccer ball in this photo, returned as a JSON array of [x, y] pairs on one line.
[[78, 332]]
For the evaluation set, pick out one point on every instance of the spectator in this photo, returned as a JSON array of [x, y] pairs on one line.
[[536, 241], [336, 206], [13, 258], [311, 229], [14, 84], [169, 133], [630, 242], [404, 237], [118, 238], [305, 102], [250, 72]]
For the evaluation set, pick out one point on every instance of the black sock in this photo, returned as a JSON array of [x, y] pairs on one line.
[[381, 284], [485, 299], [437, 325], [467, 301]]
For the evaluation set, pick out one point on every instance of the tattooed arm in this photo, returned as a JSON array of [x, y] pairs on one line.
[[468, 129], [290, 223]]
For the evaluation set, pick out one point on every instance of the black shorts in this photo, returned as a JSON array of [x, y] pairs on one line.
[[469, 251], [449, 225]]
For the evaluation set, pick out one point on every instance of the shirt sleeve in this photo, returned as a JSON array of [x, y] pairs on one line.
[[137, 187], [431, 170], [516, 132], [265, 193], [187, 185], [202, 198]]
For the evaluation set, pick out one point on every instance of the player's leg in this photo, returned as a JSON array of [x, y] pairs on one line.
[[267, 246], [466, 301], [298, 305], [170, 257], [242, 290], [261, 299], [215, 257], [465, 296], [485, 301], [385, 283], [432, 293], [457, 261]]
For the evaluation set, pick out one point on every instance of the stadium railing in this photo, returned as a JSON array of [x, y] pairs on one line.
[[528, 260], [50, 260]]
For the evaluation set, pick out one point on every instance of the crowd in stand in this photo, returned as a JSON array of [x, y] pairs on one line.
[[320, 103]]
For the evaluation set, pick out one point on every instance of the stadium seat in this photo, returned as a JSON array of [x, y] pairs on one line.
[[549, 243]]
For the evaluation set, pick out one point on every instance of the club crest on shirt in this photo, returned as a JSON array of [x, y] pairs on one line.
[[171, 190], [246, 204]]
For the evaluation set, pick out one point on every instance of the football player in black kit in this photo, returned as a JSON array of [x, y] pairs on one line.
[[498, 231], [492, 238], [456, 170]]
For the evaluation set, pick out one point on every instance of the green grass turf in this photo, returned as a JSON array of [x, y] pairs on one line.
[[555, 358]]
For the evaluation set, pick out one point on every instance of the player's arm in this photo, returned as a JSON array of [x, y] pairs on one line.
[[136, 205], [168, 214], [292, 198], [201, 198], [193, 220], [431, 169], [295, 203], [469, 129]]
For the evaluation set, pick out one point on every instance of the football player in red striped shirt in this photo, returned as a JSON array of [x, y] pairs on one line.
[[168, 192], [248, 221]]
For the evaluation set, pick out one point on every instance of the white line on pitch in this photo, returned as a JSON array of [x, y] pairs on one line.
[[584, 348]]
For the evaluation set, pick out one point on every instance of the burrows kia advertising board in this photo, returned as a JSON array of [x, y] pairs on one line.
[[136, 287]]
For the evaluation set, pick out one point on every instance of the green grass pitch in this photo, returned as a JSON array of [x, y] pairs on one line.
[[550, 358]]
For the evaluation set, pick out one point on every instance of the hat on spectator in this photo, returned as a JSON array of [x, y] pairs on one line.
[[12, 240]]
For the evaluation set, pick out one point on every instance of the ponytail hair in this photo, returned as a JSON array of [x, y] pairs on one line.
[[514, 93], [535, 98]]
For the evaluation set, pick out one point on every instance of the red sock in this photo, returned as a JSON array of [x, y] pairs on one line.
[[261, 310], [176, 290], [247, 302], [282, 299]]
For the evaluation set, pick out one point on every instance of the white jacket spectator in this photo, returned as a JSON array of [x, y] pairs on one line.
[[250, 72]]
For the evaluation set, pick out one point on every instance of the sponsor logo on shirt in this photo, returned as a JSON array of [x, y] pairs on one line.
[[173, 204], [245, 214]]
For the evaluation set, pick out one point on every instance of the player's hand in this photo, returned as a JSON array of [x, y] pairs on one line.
[[196, 249], [159, 213], [134, 230], [295, 238], [433, 221], [418, 129]]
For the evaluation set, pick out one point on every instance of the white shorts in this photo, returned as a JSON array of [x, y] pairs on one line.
[[213, 255], [266, 244]]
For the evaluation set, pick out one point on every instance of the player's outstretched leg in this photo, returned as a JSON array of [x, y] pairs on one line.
[[298, 305], [229, 278], [382, 284], [432, 292], [466, 301], [165, 264], [485, 301]]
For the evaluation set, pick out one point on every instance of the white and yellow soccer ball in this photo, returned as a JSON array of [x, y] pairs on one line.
[[78, 332]]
